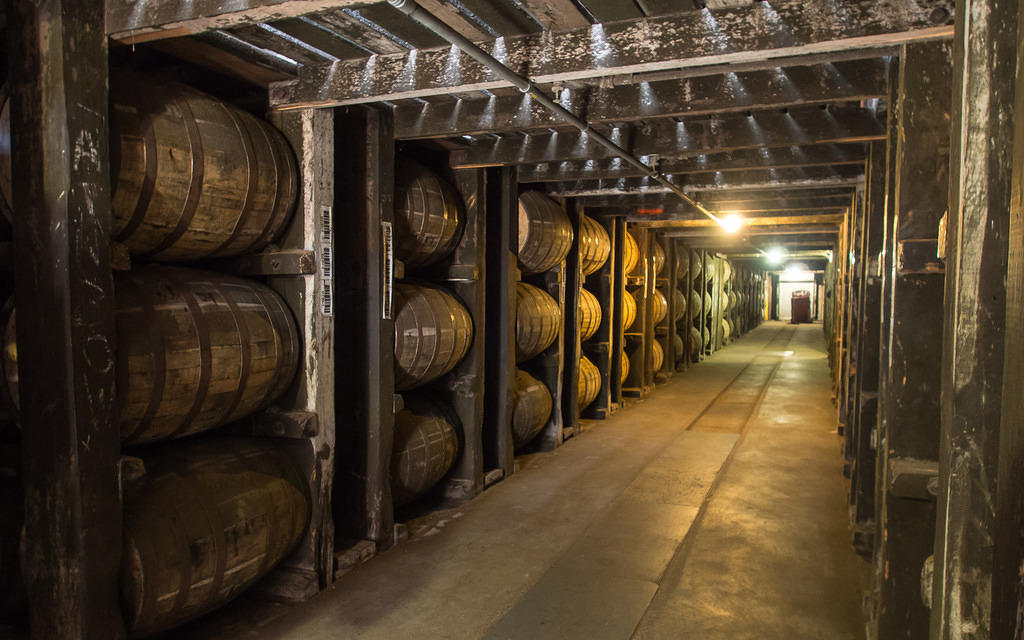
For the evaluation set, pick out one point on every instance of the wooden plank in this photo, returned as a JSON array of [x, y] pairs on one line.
[[599, 348], [618, 235], [817, 155], [557, 15], [320, 37], [749, 223], [310, 568], [976, 251], [708, 95], [788, 230], [396, 23], [806, 126], [571, 321], [611, 10], [64, 298], [266, 37], [260, 71], [136, 22], [349, 26], [755, 33], [503, 17], [365, 334]]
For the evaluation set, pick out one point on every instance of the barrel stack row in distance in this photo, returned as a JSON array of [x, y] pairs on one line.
[[195, 178], [595, 247]]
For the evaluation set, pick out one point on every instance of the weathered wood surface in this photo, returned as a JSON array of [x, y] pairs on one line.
[[688, 138], [784, 28], [708, 95], [208, 520], [64, 292], [976, 246], [595, 245], [792, 157]]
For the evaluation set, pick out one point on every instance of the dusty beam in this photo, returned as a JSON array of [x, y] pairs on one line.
[[741, 160], [762, 221], [752, 90], [143, 20], [691, 39], [783, 230], [691, 138]]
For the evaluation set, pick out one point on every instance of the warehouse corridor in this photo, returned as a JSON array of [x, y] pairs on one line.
[[713, 509]]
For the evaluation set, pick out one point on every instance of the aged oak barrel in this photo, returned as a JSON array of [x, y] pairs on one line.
[[696, 266], [682, 264], [657, 355], [589, 314], [707, 302], [726, 271], [726, 328], [628, 311], [695, 340], [678, 346], [624, 367], [657, 258], [194, 177], [709, 267], [595, 246], [531, 408], [545, 233], [680, 300], [537, 321], [630, 256], [707, 337], [425, 448], [588, 383], [695, 302], [428, 215], [433, 332], [660, 306], [210, 518], [195, 350]]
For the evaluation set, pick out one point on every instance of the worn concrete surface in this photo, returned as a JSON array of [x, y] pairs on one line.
[[615, 533]]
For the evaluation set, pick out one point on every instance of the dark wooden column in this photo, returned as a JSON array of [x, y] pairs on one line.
[[570, 322], [1008, 550], [364, 325], [64, 299], [909, 440], [981, 162]]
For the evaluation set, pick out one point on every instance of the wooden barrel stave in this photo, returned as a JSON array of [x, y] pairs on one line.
[[531, 408], [660, 306], [545, 233], [680, 300], [628, 311], [630, 255], [428, 215], [624, 367], [677, 343], [433, 332], [657, 355], [589, 315], [211, 517], [595, 246], [588, 383], [657, 258], [426, 446], [537, 321]]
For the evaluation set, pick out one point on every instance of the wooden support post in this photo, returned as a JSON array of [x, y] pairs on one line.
[[600, 347], [466, 382], [1008, 534], [500, 341], [910, 402], [637, 341], [571, 322], [617, 228], [976, 248], [550, 364], [64, 296], [365, 331], [310, 568]]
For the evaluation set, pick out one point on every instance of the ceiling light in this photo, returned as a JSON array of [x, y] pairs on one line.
[[775, 255], [731, 223]]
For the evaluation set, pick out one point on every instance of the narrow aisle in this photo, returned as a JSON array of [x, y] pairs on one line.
[[583, 540], [770, 556]]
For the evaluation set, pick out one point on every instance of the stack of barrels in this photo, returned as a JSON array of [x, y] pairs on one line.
[[204, 516], [632, 267], [662, 323], [680, 324], [545, 237], [433, 331], [595, 249]]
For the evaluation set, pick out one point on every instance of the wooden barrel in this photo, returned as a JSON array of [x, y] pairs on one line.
[[678, 346], [695, 340], [194, 177], [589, 314], [657, 258], [588, 383], [726, 328], [428, 215], [537, 321], [734, 301], [531, 408], [595, 246], [657, 355], [433, 331], [727, 271], [709, 267], [680, 300], [195, 350], [682, 264], [630, 256], [628, 311], [707, 302], [545, 233], [696, 266], [625, 368], [707, 337], [425, 448], [695, 302], [660, 306], [209, 519]]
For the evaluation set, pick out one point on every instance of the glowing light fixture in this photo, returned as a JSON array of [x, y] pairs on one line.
[[731, 223], [775, 255]]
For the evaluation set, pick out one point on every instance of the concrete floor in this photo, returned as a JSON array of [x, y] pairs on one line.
[[714, 508]]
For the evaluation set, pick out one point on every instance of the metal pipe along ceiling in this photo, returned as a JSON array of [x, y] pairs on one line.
[[439, 27]]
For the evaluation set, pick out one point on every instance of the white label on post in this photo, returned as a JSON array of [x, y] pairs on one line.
[[326, 262], [389, 267]]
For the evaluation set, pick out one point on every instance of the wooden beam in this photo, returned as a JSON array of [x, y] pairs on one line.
[[783, 230], [757, 32], [64, 298], [704, 222], [731, 161], [708, 95], [144, 20], [799, 127]]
